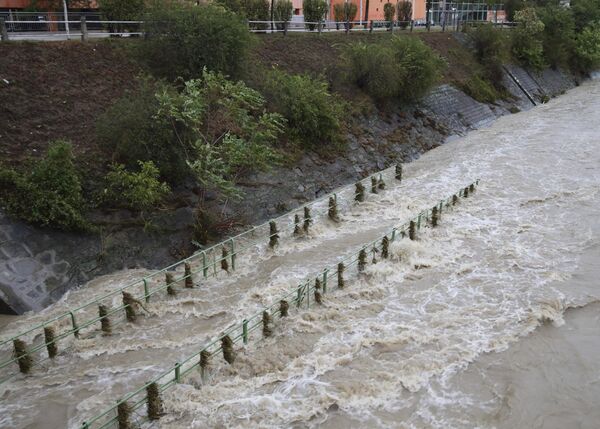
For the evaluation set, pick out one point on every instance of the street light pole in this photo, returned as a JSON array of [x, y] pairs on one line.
[[66, 13]]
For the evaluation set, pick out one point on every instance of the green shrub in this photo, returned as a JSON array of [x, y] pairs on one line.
[[373, 68], [313, 114], [135, 190], [404, 12], [587, 48], [314, 11], [344, 12], [527, 45], [121, 10], [226, 126], [402, 67], [130, 132], [389, 12], [181, 40], [283, 12], [258, 10], [491, 50], [47, 195]]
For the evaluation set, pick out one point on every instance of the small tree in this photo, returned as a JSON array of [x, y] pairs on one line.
[[283, 12], [527, 39], [121, 10], [587, 47], [258, 10], [404, 12], [339, 14], [350, 11], [314, 11], [389, 12]]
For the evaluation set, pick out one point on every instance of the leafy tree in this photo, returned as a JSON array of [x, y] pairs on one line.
[[181, 40], [491, 50], [585, 12], [527, 39], [404, 9], [138, 190], [257, 10], [559, 34], [227, 127], [314, 11], [49, 194], [389, 12], [345, 12], [587, 48]]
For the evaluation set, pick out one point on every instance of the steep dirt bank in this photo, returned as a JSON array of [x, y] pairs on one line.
[[38, 266]]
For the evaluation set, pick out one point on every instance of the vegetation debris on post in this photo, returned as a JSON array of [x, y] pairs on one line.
[[472, 187], [296, 225], [385, 247], [434, 216], [273, 234], [104, 320], [466, 192], [454, 199], [399, 172], [224, 262], [49, 338], [154, 402], [129, 301], [283, 308], [23, 358], [204, 360], [124, 416], [318, 297], [189, 280], [266, 321], [381, 183], [411, 230], [170, 280], [333, 212], [360, 192], [307, 219], [373, 185], [362, 260], [228, 352], [340, 275]]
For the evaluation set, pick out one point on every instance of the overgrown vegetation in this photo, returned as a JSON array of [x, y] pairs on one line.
[[137, 190], [48, 193], [313, 114], [402, 68]]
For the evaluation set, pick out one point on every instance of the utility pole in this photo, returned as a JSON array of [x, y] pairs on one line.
[[66, 13]]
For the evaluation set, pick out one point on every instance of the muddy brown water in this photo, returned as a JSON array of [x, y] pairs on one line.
[[490, 320]]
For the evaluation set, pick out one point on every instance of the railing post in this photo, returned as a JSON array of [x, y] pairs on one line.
[[232, 255], [204, 266], [325, 273], [84, 30], [285, 28], [177, 372], [3, 30], [319, 26], [146, 291], [245, 331], [412, 25], [74, 324], [371, 27]]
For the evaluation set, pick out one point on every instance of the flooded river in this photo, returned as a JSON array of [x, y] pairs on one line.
[[490, 320]]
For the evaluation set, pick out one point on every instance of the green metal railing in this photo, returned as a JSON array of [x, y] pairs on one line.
[[74, 321], [300, 296]]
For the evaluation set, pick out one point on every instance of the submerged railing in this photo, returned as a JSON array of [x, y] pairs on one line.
[[149, 395], [223, 256]]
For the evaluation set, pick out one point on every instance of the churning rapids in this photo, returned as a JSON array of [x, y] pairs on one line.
[[491, 320]]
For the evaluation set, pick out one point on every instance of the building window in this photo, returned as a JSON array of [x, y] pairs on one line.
[[296, 11]]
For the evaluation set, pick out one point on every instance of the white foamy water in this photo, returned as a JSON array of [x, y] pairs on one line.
[[407, 345]]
